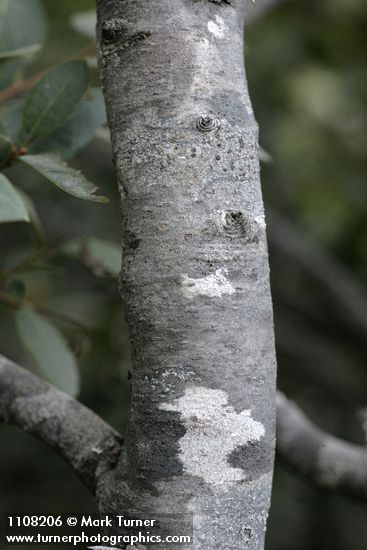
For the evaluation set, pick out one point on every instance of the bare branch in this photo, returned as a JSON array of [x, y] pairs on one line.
[[323, 458], [87, 443], [347, 291]]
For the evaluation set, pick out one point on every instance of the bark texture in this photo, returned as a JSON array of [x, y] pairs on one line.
[[82, 438], [195, 281], [321, 457]]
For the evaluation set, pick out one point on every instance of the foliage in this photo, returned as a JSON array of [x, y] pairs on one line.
[[45, 119], [52, 101], [307, 78], [23, 28], [12, 207], [49, 350]]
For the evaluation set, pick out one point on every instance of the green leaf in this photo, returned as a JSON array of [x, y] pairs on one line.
[[79, 130], [104, 134], [5, 149], [9, 71], [22, 24], [101, 256], [26, 51], [68, 179], [11, 120], [85, 23], [48, 350], [18, 289], [12, 208], [33, 216], [53, 99]]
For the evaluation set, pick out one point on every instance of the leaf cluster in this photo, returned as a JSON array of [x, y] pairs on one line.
[[45, 120]]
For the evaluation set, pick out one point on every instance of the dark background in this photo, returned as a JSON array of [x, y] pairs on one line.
[[306, 63]]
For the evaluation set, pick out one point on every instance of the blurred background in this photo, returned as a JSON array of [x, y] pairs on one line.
[[307, 70]]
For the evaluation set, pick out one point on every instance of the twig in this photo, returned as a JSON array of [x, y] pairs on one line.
[[347, 291], [24, 85], [12, 303]]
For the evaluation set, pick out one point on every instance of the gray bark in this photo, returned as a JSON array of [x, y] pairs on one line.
[[92, 447], [195, 281], [81, 437], [326, 460]]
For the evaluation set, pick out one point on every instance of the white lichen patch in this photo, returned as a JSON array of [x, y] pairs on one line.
[[213, 431], [216, 27], [214, 285], [260, 220]]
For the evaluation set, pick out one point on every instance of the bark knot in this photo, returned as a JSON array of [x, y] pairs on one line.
[[234, 224], [138, 37], [112, 29], [207, 123]]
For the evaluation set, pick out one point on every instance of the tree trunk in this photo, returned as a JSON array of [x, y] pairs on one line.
[[195, 279]]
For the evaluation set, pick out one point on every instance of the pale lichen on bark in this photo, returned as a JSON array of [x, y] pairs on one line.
[[217, 27], [213, 431], [214, 285], [195, 283]]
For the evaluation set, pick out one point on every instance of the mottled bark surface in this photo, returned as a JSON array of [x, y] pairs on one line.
[[82, 438], [195, 280]]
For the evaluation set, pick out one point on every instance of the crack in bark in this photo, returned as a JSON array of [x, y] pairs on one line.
[[220, 2]]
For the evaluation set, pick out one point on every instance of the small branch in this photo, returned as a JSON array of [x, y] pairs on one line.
[[19, 87], [348, 293], [24, 85], [12, 303], [323, 458], [82, 438]]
